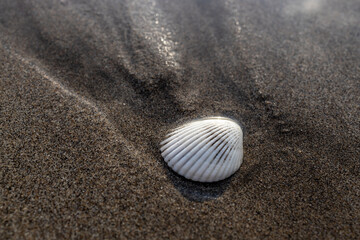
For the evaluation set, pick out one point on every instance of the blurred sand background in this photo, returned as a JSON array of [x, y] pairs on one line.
[[88, 89]]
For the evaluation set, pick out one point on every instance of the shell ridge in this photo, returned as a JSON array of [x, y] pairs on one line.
[[213, 166], [196, 150], [181, 128], [214, 145], [208, 148], [231, 158], [218, 172], [241, 155], [189, 147], [232, 167], [186, 141], [171, 146], [227, 170], [229, 142], [238, 162], [219, 147], [239, 158], [219, 162], [174, 136], [220, 151]]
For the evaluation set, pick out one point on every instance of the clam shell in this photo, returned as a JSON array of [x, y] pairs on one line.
[[204, 150]]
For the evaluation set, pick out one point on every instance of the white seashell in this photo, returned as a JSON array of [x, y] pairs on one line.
[[205, 150]]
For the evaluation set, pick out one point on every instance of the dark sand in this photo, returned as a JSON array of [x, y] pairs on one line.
[[88, 89]]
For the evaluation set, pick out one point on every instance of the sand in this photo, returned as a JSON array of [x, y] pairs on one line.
[[88, 89]]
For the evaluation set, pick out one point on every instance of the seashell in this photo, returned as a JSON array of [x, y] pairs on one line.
[[205, 150]]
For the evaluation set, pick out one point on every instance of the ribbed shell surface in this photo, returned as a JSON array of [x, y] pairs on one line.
[[205, 150]]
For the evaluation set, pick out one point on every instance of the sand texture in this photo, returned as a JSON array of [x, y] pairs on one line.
[[88, 89]]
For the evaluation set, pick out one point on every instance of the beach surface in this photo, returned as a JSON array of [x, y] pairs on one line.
[[88, 90]]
